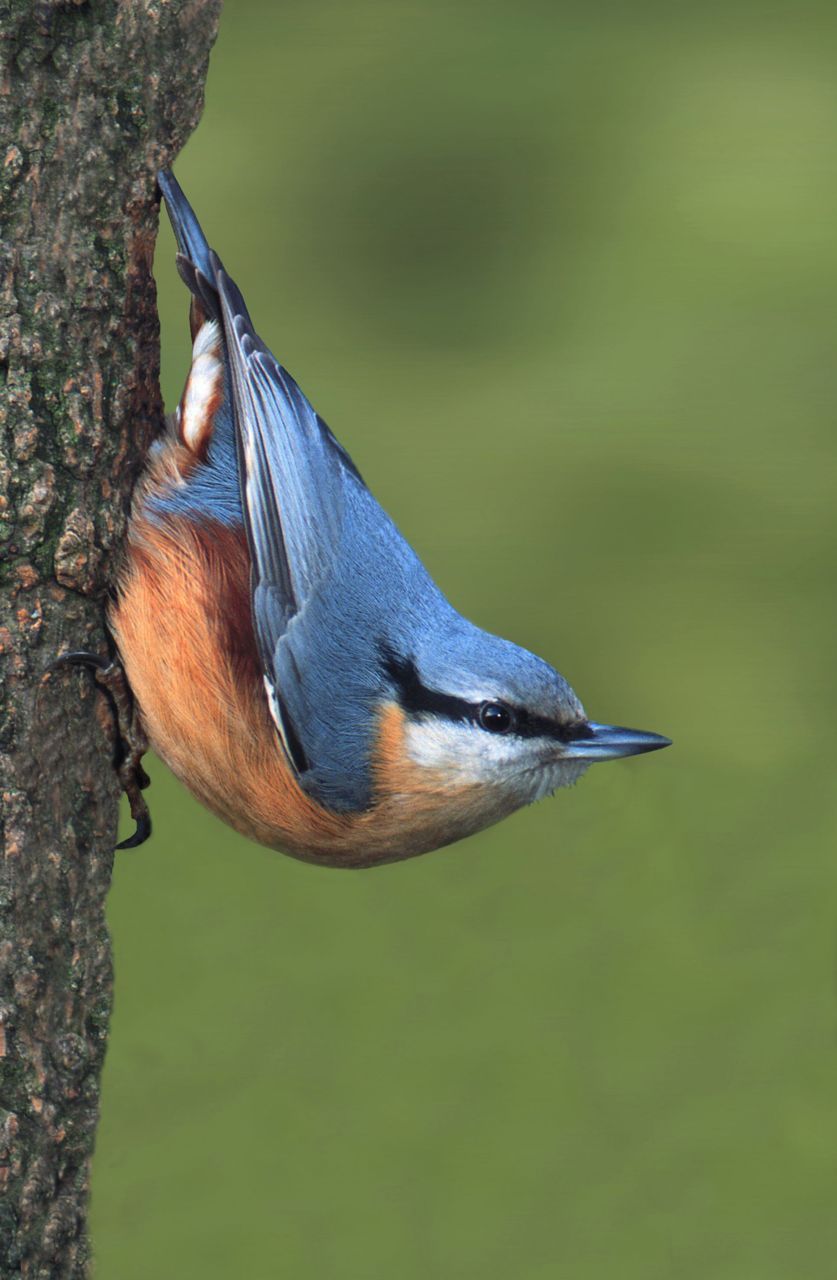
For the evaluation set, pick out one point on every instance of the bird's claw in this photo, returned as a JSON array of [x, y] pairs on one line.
[[132, 743]]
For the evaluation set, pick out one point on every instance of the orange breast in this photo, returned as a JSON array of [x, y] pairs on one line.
[[184, 630]]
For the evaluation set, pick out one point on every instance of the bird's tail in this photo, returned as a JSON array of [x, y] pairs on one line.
[[193, 259]]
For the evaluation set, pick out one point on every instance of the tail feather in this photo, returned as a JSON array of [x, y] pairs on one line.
[[190, 239], [193, 259]]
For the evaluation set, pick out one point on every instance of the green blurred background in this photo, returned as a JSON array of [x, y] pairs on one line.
[[563, 279]]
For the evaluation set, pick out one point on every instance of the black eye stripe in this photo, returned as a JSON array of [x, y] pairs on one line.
[[530, 725], [417, 699]]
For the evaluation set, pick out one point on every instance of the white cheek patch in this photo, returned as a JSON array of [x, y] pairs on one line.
[[465, 755], [204, 389], [464, 752], [445, 746]]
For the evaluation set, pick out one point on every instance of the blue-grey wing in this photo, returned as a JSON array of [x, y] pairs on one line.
[[292, 474], [293, 477]]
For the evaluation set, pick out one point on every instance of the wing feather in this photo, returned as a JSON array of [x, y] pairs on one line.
[[291, 475]]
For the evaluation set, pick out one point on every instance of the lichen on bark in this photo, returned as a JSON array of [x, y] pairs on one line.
[[95, 95]]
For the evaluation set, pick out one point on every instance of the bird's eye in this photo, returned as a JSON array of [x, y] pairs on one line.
[[495, 717]]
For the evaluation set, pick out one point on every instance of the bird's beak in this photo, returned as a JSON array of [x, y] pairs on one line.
[[609, 742]]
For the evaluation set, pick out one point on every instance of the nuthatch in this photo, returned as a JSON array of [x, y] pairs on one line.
[[293, 662]]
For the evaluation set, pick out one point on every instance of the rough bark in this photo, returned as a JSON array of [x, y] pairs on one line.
[[95, 95]]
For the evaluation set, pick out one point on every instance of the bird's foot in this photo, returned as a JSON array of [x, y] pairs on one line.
[[132, 743]]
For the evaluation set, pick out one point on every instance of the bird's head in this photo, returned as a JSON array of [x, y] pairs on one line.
[[491, 718]]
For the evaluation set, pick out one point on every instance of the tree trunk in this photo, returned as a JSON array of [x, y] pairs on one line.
[[95, 95]]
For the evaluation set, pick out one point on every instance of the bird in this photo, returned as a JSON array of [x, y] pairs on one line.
[[291, 658]]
